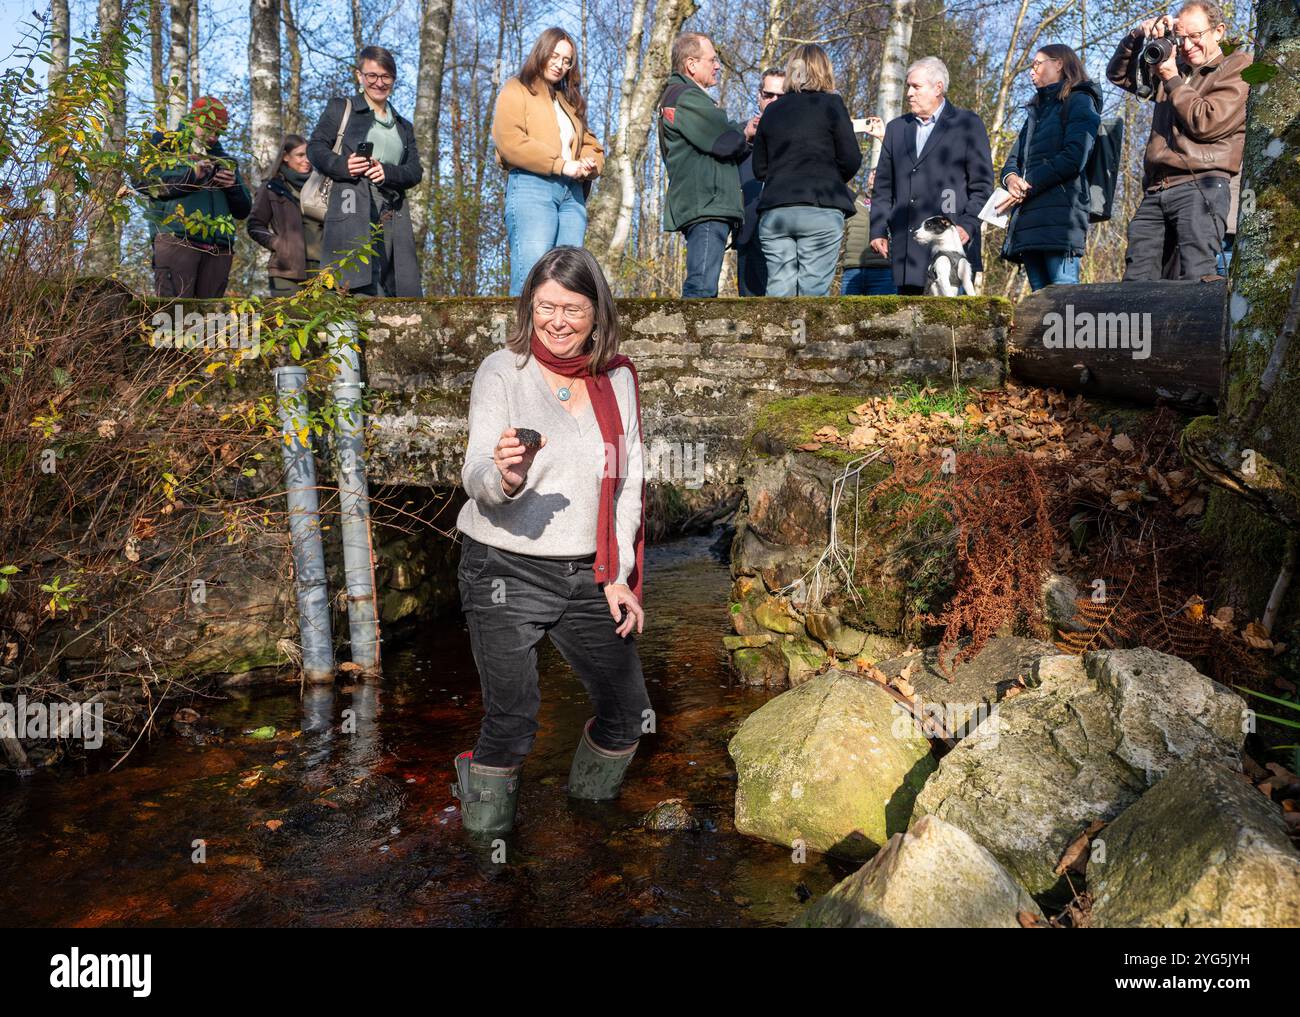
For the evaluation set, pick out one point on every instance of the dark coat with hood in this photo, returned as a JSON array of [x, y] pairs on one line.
[[1054, 217], [347, 222]]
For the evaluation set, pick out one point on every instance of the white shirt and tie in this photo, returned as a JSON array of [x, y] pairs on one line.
[[925, 126]]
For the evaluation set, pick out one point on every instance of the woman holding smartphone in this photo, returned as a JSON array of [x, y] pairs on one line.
[[376, 164]]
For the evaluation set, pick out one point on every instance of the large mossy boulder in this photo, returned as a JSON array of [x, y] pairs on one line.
[[1082, 746], [828, 764], [1201, 849], [933, 876]]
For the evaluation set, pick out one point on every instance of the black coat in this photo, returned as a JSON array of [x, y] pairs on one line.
[[805, 152], [953, 177], [1055, 215], [345, 230]]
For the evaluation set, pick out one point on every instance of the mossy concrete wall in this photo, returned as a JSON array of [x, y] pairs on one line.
[[706, 368]]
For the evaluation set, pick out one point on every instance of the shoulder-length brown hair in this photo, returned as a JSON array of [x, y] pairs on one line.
[[570, 85], [809, 70], [575, 269], [1072, 70]]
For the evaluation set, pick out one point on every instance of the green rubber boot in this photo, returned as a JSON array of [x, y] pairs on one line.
[[596, 773], [488, 795]]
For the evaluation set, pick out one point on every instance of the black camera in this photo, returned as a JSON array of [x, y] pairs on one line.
[[1158, 50]]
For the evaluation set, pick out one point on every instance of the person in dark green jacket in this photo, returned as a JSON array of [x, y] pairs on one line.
[[192, 255], [702, 150]]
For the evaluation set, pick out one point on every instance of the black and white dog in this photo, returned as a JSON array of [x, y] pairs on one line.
[[949, 272]]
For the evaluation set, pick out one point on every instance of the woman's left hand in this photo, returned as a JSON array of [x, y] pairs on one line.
[[376, 172], [621, 595]]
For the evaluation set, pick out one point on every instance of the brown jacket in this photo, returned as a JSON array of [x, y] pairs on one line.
[[276, 223], [1198, 126], [527, 136]]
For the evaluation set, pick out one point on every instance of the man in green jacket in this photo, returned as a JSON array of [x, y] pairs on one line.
[[192, 249], [702, 151]]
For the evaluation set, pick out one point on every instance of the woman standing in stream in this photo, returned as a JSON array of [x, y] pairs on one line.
[[553, 536]]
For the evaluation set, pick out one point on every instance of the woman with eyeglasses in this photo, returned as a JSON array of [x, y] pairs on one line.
[[551, 157], [553, 532], [375, 165]]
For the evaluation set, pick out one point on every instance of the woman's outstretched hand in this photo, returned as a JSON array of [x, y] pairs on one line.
[[620, 596], [513, 459]]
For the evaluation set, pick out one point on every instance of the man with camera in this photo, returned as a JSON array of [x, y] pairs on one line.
[[194, 200], [1198, 130]]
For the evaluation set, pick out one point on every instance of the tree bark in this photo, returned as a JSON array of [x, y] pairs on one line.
[[1181, 322], [610, 211], [195, 83], [60, 33], [105, 241], [893, 66], [266, 114], [772, 37], [178, 62], [435, 21], [156, 76], [356, 28], [1265, 264], [293, 44]]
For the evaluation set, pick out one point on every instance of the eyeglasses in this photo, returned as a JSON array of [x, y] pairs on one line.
[[1195, 36], [1039, 62], [572, 312], [564, 62], [770, 95], [376, 79]]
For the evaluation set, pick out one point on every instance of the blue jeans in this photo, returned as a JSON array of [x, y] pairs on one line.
[[1049, 268], [867, 282], [802, 246], [541, 213], [706, 242]]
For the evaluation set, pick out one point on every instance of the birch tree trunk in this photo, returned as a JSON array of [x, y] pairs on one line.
[[610, 215], [893, 65], [156, 76], [105, 241], [195, 83], [178, 62], [1265, 263], [266, 115], [357, 44], [293, 44], [435, 21], [60, 33], [772, 37]]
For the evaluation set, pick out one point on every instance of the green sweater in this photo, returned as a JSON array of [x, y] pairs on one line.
[[702, 150]]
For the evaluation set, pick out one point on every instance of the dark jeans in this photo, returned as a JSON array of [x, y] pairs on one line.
[[867, 282], [751, 268], [511, 601], [184, 269], [1195, 213], [706, 242]]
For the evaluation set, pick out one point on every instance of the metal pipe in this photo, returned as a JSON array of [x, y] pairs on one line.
[[354, 497], [304, 527]]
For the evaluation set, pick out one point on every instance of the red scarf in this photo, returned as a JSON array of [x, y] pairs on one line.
[[605, 405]]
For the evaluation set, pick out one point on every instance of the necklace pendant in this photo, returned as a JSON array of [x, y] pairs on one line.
[[563, 393]]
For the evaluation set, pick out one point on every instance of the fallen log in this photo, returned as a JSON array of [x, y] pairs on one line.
[[1139, 341]]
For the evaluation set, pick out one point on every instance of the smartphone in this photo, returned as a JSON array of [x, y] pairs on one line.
[[366, 149]]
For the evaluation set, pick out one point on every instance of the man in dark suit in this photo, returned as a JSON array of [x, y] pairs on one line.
[[935, 160], [751, 266]]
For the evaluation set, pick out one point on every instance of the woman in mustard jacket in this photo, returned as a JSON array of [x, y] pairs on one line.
[[543, 141]]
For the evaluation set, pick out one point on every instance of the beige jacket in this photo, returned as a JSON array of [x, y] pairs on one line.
[[527, 137]]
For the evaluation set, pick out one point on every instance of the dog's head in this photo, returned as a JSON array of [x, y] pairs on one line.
[[934, 228]]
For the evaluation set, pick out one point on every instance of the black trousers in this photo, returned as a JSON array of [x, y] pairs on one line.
[[511, 601], [1190, 219], [184, 269]]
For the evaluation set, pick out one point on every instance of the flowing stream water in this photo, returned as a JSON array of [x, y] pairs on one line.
[[345, 818]]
